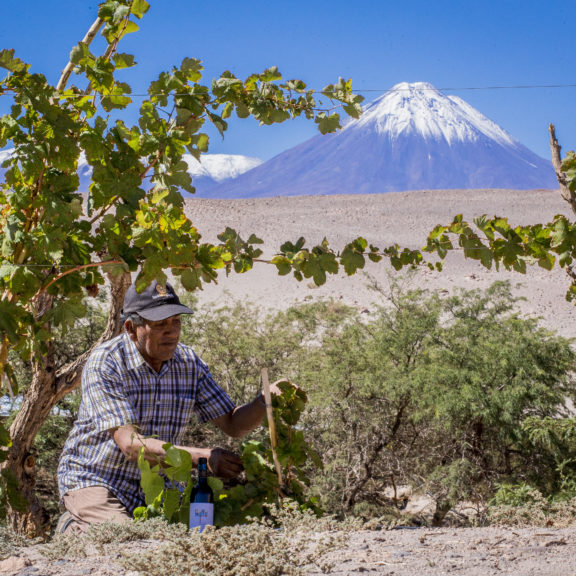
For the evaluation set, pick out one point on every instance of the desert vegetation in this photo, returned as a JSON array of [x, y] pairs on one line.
[[457, 398]]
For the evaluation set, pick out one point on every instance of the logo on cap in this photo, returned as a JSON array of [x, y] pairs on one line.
[[161, 290]]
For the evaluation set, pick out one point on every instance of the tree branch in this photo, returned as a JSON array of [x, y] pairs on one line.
[[68, 377], [81, 267], [65, 76], [555, 148]]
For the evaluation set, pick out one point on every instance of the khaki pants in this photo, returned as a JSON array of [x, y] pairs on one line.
[[93, 505]]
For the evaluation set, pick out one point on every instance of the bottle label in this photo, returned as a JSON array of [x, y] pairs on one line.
[[201, 515]]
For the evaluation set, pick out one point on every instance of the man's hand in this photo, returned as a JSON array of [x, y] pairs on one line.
[[224, 463], [275, 389]]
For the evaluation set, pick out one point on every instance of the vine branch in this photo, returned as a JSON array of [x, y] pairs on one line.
[[90, 35], [555, 148], [78, 268]]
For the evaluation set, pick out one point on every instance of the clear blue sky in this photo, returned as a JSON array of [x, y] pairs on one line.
[[453, 44]]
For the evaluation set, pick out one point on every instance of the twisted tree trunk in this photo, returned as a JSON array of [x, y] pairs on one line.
[[48, 386]]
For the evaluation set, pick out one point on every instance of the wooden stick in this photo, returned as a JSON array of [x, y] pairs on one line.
[[555, 148], [70, 66], [271, 425]]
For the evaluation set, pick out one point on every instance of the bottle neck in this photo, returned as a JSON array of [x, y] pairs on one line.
[[202, 471]]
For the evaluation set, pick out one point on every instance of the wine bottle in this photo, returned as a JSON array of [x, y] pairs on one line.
[[202, 499]]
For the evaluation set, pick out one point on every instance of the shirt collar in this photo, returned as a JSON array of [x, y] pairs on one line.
[[134, 359]]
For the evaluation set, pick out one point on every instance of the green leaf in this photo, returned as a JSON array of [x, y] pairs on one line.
[[170, 503], [192, 69], [328, 123], [7, 269], [271, 75], [177, 463], [547, 261], [191, 279], [290, 249], [10, 63], [283, 264], [173, 455], [152, 484], [218, 122], [123, 61], [79, 53], [291, 403], [9, 314], [140, 513], [139, 8], [352, 260]]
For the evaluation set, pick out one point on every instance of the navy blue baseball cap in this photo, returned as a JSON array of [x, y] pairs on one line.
[[156, 302]]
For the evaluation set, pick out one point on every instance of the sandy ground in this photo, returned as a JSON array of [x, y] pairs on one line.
[[403, 218], [406, 552]]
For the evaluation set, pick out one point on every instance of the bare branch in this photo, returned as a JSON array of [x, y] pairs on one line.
[[555, 148], [70, 66], [68, 377]]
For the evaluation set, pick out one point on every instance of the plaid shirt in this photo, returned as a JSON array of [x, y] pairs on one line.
[[120, 388]]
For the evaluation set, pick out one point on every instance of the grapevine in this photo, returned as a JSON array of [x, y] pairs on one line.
[[167, 485]]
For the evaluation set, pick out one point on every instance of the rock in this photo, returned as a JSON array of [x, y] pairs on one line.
[[13, 564]]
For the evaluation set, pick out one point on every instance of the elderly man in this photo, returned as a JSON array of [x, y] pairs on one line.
[[141, 389]]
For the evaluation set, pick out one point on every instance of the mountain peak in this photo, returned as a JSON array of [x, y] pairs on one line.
[[412, 137], [421, 109], [220, 167]]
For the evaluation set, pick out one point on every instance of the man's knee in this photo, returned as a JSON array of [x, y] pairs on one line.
[[93, 505]]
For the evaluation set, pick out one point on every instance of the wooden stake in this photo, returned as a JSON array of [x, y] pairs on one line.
[[555, 148], [271, 425]]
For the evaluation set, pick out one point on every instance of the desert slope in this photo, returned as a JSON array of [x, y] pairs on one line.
[[405, 218]]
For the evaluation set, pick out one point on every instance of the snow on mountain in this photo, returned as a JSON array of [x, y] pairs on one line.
[[421, 109], [220, 167], [212, 170], [413, 137]]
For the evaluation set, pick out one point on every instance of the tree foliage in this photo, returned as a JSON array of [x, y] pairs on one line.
[[57, 246], [434, 393], [134, 217], [494, 242]]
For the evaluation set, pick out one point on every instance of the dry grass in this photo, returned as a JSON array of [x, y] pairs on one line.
[[10, 541], [540, 513], [286, 542]]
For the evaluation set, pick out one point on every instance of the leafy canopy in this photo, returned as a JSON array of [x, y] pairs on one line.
[[57, 244]]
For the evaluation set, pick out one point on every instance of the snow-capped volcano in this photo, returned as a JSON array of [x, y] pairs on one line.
[[413, 137]]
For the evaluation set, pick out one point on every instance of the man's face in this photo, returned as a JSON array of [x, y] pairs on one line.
[[156, 341]]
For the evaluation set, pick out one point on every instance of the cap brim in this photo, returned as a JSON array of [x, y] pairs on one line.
[[163, 312]]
